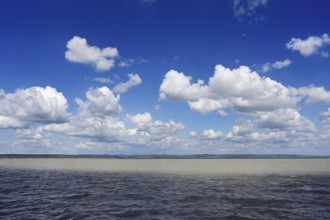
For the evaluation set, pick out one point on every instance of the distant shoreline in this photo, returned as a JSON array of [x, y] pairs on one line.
[[165, 156]]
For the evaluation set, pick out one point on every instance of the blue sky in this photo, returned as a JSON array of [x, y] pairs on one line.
[[173, 77]]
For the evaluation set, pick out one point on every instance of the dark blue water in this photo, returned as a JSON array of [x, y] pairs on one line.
[[104, 195]]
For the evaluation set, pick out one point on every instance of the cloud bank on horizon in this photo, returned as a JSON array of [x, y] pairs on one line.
[[169, 107]]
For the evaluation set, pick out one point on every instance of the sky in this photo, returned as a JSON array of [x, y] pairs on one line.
[[165, 77]]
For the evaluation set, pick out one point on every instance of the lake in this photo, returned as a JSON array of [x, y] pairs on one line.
[[93, 188]]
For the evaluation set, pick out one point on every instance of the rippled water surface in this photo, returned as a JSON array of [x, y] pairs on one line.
[[84, 194]]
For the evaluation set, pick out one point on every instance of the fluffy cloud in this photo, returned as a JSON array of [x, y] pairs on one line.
[[134, 80], [315, 94], [97, 117], [179, 88], [273, 106], [207, 105], [139, 120], [277, 65], [241, 88], [156, 129], [100, 102], [98, 120], [211, 134], [309, 46], [247, 7], [10, 122], [285, 119], [32, 137], [243, 131], [273, 128], [106, 129], [32, 105], [80, 52]]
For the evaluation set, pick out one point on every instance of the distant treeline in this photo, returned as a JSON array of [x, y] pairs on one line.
[[163, 156]]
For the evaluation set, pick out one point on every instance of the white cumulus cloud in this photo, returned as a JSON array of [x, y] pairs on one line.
[[134, 80], [98, 120], [10, 122], [139, 120], [285, 119], [241, 89], [309, 46], [243, 131], [154, 129], [211, 134], [80, 52], [32, 105], [100, 102], [315, 94]]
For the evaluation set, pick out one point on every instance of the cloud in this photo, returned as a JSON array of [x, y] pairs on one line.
[[309, 46], [324, 54], [325, 117], [10, 122], [91, 146], [277, 65], [241, 89], [192, 134], [315, 94], [80, 52], [32, 105], [103, 80], [139, 120], [285, 119], [125, 63], [207, 105], [281, 64], [284, 127], [222, 113], [98, 119], [103, 129], [134, 80], [266, 67], [100, 102], [178, 87], [273, 106], [32, 138], [243, 131], [211, 134], [154, 129], [246, 8]]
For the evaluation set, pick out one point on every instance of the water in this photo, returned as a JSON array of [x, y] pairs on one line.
[[61, 189]]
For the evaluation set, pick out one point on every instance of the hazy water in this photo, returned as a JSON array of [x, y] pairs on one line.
[[164, 189]]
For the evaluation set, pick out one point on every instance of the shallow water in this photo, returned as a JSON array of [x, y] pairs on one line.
[[57, 191], [188, 166]]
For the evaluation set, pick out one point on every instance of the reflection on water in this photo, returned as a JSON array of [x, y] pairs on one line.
[[164, 189]]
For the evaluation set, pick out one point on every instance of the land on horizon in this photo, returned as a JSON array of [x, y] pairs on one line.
[[165, 156]]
